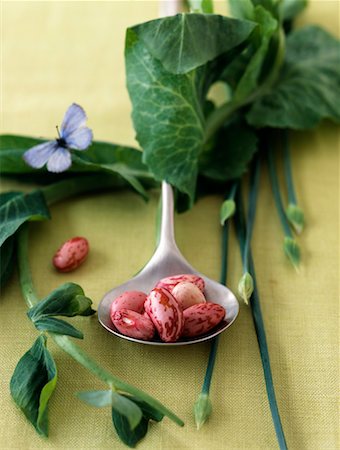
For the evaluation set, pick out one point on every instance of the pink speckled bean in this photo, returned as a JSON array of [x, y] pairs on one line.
[[71, 254], [198, 319], [170, 282], [165, 314], [187, 294], [133, 300], [133, 324]]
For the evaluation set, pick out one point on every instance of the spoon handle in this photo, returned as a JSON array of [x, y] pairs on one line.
[[167, 238]]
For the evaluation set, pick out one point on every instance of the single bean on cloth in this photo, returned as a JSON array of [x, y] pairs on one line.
[[175, 308], [71, 254]]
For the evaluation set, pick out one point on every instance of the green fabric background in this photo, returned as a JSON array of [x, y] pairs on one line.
[[55, 53]]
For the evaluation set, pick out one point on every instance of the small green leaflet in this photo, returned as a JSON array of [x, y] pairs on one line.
[[291, 8], [122, 426], [308, 89], [185, 42], [58, 326], [227, 210], [67, 300], [99, 399], [33, 383], [20, 209]]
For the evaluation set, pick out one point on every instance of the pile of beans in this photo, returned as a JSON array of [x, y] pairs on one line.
[[175, 308]]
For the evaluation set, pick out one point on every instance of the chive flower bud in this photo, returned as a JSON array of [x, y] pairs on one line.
[[296, 217], [202, 409], [246, 287], [292, 250]]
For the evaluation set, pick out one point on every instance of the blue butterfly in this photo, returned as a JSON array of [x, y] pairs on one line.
[[73, 135]]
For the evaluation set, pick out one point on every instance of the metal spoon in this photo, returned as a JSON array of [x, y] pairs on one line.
[[167, 261]]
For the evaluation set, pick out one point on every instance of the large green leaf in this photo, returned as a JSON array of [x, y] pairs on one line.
[[233, 150], [67, 300], [168, 113], [99, 399], [125, 162], [308, 89], [187, 41], [20, 209], [33, 383]]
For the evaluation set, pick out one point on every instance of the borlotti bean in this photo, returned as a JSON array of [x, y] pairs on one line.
[[133, 324], [188, 294], [170, 282], [201, 318], [165, 313], [183, 312], [71, 254], [133, 300]]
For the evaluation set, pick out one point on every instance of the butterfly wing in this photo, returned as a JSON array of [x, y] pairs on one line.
[[38, 155], [80, 139], [59, 161], [73, 129], [75, 117]]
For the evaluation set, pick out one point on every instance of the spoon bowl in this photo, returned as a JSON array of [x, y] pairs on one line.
[[168, 261]]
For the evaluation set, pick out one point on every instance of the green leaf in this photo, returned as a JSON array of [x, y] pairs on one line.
[[127, 408], [20, 209], [33, 383], [292, 251], [99, 399], [227, 210], [7, 260], [185, 42], [202, 409], [168, 110], [57, 326], [291, 8], [296, 217], [233, 150], [250, 78], [122, 426], [7, 250], [67, 300], [308, 88], [241, 9], [99, 157], [204, 6]]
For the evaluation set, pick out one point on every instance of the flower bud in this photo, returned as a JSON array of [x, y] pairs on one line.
[[227, 210], [296, 217], [246, 287], [202, 409], [292, 250]]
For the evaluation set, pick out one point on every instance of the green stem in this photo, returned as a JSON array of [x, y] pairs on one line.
[[67, 345], [288, 168], [241, 230], [25, 275], [253, 191], [71, 186], [223, 280], [220, 115], [276, 192], [90, 364]]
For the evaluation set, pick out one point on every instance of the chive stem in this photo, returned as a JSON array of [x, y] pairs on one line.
[[276, 192], [288, 168], [241, 231], [253, 191], [25, 275]]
